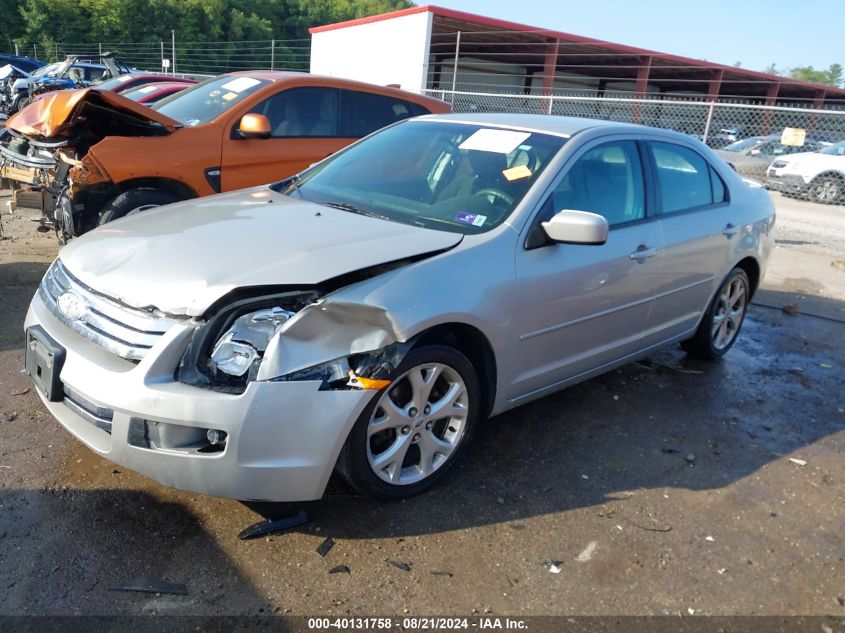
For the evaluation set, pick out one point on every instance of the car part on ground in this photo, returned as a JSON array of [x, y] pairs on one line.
[[111, 145], [367, 314]]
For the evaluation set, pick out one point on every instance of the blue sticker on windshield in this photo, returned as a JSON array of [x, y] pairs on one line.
[[471, 218]]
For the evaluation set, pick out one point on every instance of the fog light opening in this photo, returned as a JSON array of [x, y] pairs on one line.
[[215, 437]]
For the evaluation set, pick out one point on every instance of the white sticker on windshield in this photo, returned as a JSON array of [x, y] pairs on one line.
[[124, 78], [240, 84], [499, 141], [147, 89]]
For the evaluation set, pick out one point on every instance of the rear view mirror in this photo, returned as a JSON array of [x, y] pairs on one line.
[[577, 227], [254, 126]]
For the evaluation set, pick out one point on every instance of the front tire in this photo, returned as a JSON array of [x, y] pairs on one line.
[[135, 201], [720, 325], [826, 190], [415, 429]]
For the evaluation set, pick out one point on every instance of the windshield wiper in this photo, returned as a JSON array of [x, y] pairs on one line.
[[343, 206]]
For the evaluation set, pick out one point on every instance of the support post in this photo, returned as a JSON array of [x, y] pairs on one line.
[[771, 99], [818, 104], [550, 72], [272, 54], [455, 66], [643, 74], [714, 87], [173, 49]]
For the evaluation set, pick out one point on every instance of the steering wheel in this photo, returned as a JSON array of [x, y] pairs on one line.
[[495, 193]]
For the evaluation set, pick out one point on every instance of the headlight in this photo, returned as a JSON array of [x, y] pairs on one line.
[[244, 343], [226, 350]]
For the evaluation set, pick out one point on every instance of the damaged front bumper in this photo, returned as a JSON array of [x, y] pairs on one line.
[[276, 441], [37, 168]]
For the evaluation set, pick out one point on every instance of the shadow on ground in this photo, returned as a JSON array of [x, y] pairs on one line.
[[91, 542], [668, 421], [18, 282]]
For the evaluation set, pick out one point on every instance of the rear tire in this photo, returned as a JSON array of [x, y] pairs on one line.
[[415, 429], [826, 190], [720, 325], [135, 201]]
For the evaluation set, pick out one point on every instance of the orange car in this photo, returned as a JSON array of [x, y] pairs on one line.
[[94, 156]]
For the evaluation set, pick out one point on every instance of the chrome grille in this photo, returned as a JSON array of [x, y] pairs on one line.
[[124, 331]]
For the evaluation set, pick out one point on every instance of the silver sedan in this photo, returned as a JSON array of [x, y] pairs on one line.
[[366, 316]]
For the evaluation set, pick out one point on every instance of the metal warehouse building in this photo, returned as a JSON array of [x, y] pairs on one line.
[[432, 48]]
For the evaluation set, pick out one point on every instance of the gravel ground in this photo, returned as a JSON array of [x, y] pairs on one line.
[[670, 486]]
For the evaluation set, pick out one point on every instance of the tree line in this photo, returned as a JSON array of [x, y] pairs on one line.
[[40, 25]]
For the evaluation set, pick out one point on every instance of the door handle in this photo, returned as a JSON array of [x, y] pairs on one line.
[[643, 252], [730, 230]]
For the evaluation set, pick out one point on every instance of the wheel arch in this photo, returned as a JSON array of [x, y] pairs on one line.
[[473, 344], [176, 187], [752, 268]]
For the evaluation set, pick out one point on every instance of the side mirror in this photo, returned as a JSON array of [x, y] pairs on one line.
[[577, 227], [254, 126]]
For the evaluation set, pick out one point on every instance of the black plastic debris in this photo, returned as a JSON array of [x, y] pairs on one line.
[[448, 574], [325, 547], [398, 565], [10, 417], [273, 526], [150, 584], [340, 569]]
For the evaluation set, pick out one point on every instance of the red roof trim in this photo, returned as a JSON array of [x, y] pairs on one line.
[[370, 19], [569, 37]]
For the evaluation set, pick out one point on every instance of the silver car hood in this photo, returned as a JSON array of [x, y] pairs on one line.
[[183, 257]]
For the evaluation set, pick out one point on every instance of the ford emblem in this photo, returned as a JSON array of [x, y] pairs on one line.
[[71, 305]]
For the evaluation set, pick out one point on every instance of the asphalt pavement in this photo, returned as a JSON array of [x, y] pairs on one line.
[[670, 486]]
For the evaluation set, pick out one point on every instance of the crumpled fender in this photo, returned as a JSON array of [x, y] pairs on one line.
[[327, 330], [54, 114]]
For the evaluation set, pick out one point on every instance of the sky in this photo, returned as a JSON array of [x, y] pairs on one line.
[[756, 33]]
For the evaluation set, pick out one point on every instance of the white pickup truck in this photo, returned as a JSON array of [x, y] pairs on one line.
[[819, 176]]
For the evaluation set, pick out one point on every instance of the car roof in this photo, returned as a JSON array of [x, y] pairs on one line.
[[547, 123], [161, 85], [284, 75]]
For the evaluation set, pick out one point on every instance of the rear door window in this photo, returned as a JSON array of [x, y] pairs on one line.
[[684, 178], [365, 112]]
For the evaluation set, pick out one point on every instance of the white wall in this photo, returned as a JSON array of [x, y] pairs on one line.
[[393, 51]]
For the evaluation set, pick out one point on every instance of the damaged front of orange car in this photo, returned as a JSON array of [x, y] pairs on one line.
[[48, 151]]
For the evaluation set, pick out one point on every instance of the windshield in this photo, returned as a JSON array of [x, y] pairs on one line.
[[837, 149], [463, 178], [46, 70], [208, 100], [744, 144]]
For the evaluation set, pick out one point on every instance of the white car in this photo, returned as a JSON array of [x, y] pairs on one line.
[[820, 176]]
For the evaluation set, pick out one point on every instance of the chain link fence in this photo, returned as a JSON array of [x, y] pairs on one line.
[[189, 58], [716, 123]]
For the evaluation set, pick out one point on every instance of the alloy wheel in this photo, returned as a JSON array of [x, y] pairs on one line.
[[417, 424], [730, 310]]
